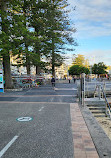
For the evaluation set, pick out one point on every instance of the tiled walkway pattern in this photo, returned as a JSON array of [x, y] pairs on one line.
[[83, 144]]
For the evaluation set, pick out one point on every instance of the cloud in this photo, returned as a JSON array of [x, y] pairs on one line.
[[69, 58], [94, 56], [86, 30], [91, 16], [97, 56]]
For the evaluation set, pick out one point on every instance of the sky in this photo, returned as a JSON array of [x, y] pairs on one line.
[[92, 19]]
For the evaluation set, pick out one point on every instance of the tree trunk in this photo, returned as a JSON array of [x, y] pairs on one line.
[[28, 64], [53, 58], [25, 41], [38, 70], [6, 56], [53, 70], [28, 69], [7, 72]]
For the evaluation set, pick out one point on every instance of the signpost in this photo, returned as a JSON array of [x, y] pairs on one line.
[[1, 81]]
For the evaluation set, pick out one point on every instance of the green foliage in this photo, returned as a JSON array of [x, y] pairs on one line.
[[58, 31], [80, 60], [77, 70], [58, 60], [49, 20], [99, 68]]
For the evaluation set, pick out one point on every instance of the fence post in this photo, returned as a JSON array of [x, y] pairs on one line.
[[82, 88], [104, 87], [99, 91]]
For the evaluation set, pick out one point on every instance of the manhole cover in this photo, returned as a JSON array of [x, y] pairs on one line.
[[23, 119]]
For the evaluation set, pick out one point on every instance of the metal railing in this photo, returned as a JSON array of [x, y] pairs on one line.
[[98, 90], [90, 86], [101, 94], [97, 87], [108, 108], [27, 81]]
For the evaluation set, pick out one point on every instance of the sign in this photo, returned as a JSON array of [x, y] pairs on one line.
[[24, 119], [1, 78], [1, 81]]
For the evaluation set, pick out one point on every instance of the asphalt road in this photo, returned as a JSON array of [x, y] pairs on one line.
[[48, 134]]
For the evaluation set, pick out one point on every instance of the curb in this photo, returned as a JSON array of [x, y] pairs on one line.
[[13, 90]]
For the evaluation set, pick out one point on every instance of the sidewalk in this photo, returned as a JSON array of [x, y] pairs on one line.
[[83, 144]]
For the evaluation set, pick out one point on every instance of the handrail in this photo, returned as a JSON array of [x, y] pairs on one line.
[[95, 90], [108, 106]]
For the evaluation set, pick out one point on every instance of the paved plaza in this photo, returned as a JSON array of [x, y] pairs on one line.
[[44, 123]]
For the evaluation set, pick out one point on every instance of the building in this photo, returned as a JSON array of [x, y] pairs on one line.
[[62, 71]]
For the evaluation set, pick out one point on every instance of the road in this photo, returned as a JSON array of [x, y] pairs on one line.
[[46, 132]]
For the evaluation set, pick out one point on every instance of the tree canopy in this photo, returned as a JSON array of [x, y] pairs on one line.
[[99, 68], [77, 70], [51, 30], [80, 60]]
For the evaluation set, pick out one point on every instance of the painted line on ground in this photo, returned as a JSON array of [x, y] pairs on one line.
[[69, 89], [36, 96], [7, 102], [8, 146], [51, 99], [41, 109]]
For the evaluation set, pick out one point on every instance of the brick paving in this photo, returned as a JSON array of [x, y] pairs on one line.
[[83, 144]]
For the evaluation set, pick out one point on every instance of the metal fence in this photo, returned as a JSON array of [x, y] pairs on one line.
[[90, 87], [27, 81]]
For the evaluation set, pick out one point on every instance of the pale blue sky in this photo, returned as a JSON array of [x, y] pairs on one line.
[[92, 18]]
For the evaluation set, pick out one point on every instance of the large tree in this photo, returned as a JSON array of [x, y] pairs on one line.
[[51, 31], [77, 70], [38, 22], [21, 10], [80, 60], [99, 68], [5, 41], [59, 31], [14, 34], [51, 28]]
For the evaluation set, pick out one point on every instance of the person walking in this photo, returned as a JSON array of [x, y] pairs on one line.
[[69, 79], [74, 79], [53, 82]]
